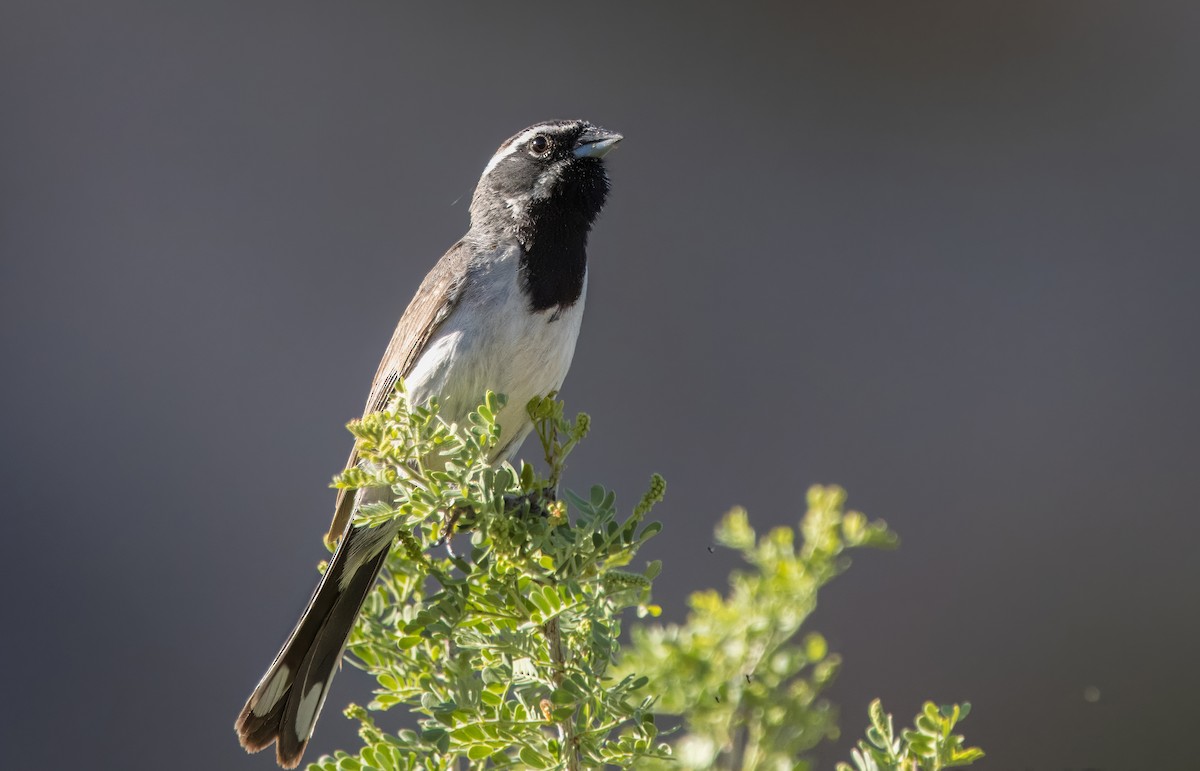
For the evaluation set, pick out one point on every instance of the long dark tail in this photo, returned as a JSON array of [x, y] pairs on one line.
[[285, 705]]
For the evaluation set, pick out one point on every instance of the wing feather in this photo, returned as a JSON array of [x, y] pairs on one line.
[[430, 306]]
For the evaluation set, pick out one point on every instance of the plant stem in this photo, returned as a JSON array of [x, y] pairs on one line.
[[566, 728]]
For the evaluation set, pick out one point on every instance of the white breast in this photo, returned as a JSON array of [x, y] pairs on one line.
[[492, 341]]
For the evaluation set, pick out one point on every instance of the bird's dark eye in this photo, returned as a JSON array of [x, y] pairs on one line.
[[539, 144]]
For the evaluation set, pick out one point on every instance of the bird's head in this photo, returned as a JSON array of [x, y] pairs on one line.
[[551, 172]]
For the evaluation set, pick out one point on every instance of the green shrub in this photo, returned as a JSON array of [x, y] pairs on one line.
[[506, 647]]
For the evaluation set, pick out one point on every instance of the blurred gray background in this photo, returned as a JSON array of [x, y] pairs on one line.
[[944, 254]]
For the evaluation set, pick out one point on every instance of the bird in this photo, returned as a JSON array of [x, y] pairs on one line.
[[500, 311]]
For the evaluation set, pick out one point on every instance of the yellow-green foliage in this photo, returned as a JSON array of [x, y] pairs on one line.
[[505, 653]]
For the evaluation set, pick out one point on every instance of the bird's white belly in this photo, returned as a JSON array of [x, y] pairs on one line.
[[493, 341]]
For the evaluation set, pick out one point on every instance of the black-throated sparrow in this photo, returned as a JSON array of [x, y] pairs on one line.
[[499, 311]]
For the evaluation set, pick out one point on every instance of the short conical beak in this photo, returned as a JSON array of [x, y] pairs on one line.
[[596, 142]]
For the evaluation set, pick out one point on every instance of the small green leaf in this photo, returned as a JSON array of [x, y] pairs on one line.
[[530, 757], [815, 647], [965, 757], [479, 751], [879, 720]]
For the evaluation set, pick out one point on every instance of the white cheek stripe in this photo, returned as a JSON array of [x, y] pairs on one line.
[[513, 146]]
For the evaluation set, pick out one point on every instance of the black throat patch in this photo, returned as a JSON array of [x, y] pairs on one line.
[[554, 257]]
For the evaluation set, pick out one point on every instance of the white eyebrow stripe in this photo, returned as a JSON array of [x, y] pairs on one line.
[[516, 144]]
